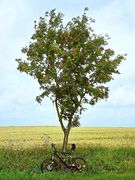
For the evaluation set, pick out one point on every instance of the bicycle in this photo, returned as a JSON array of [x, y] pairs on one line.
[[61, 160]]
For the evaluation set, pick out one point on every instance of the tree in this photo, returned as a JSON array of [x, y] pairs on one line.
[[71, 64]]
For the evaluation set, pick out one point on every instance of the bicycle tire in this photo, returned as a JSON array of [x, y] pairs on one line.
[[79, 164], [48, 165]]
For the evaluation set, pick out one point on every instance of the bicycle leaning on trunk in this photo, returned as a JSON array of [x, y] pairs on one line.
[[63, 161]]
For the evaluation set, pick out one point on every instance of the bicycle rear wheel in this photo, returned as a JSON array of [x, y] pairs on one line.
[[49, 165], [79, 164]]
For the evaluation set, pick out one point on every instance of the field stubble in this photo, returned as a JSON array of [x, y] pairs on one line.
[[33, 136]]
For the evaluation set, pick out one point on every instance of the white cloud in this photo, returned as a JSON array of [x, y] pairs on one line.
[[122, 96]]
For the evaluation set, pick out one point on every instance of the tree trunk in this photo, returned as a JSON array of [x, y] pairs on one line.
[[65, 140]]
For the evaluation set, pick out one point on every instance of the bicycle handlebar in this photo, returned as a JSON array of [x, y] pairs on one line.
[[53, 146], [73, 147]]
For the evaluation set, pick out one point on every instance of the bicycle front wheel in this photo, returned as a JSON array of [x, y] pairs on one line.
[[79, 164], [48, 165]]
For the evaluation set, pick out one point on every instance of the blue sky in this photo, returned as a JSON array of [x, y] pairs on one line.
[[18, 91]]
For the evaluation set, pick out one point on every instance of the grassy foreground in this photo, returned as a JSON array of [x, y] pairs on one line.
[[60, 176], [110, 152]]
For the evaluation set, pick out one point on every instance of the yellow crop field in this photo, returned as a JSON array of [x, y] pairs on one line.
[[31, 136]]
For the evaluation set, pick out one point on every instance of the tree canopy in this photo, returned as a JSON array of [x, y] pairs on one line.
[[71, 63]]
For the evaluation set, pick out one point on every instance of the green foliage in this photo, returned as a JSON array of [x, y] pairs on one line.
[[70, 62], [75, 121]]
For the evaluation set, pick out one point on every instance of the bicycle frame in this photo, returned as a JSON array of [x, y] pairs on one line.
[[60, 158]]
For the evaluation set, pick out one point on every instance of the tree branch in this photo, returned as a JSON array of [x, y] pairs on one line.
[[59, 116], [71, 116]]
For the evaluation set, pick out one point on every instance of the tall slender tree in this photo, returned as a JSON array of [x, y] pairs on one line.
[[71, 63]]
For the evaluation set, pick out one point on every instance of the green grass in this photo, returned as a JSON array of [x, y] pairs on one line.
[[100, 160], [110, 152], [65, 176]]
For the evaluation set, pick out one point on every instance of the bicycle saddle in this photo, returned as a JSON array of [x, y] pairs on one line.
[[73, 147]]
